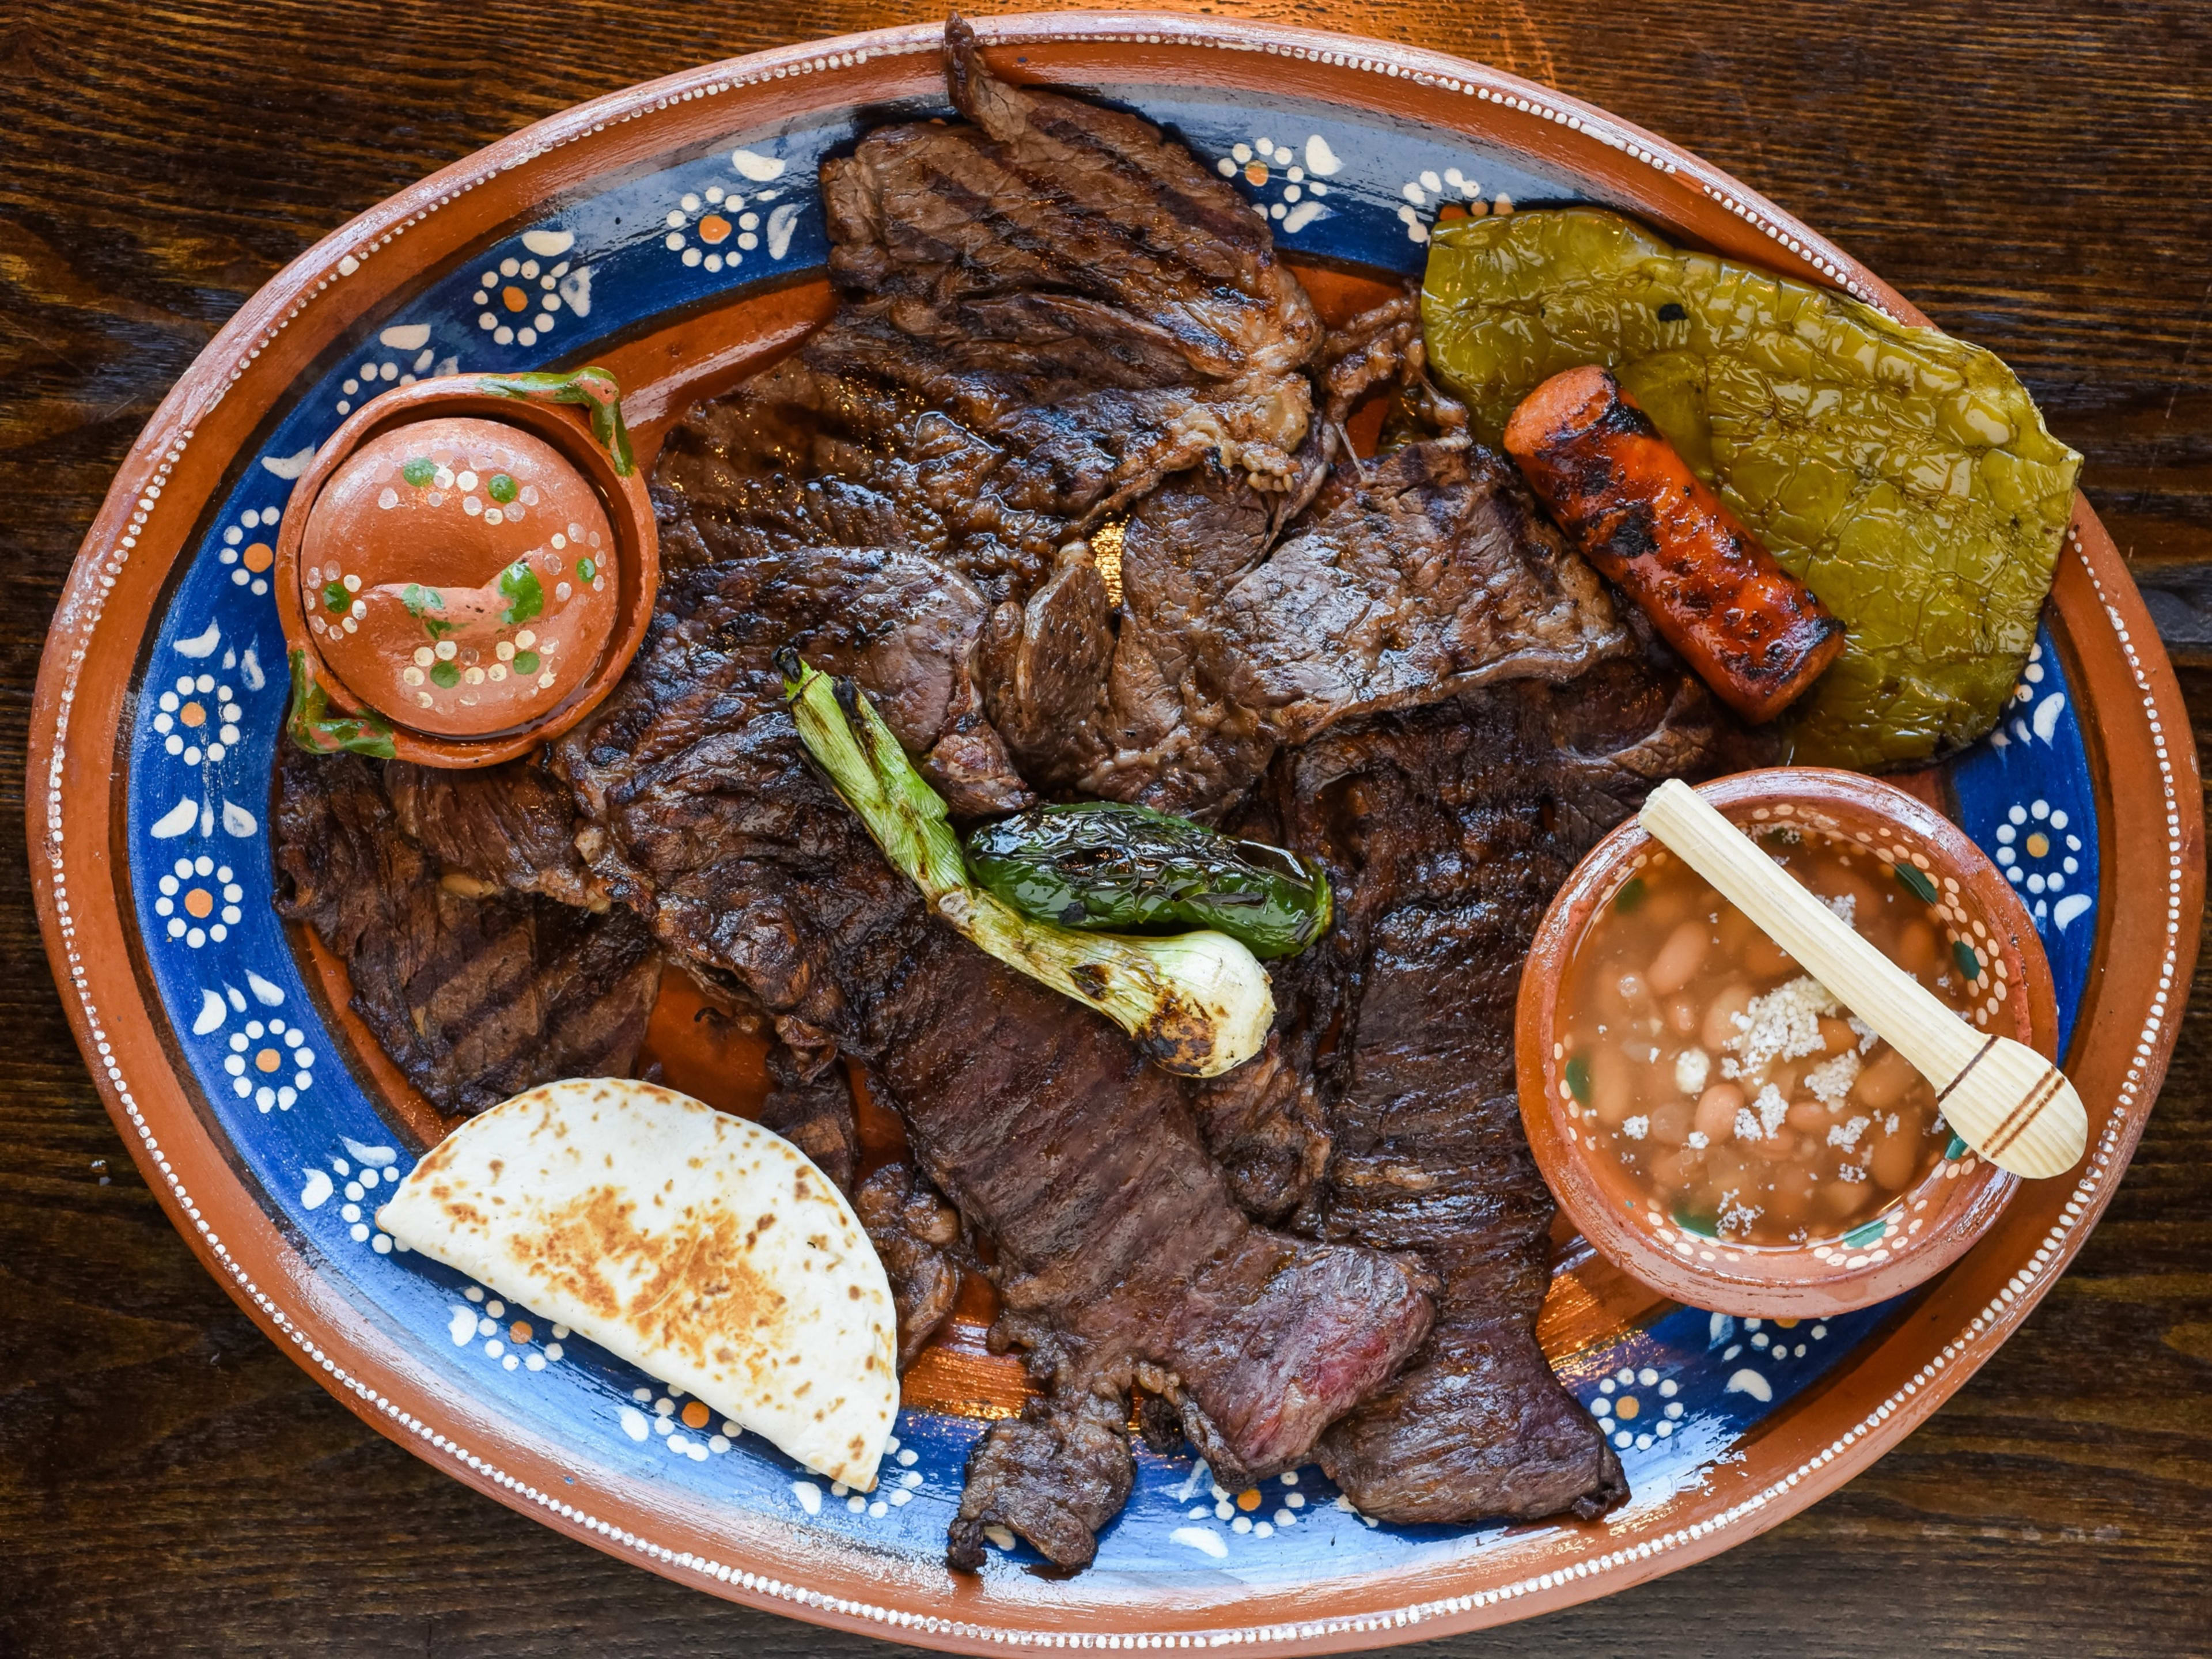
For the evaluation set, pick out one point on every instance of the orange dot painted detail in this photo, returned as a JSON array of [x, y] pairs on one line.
[[1256, 173], [192, 714], [267, 1060], [1627, 1409], [514, 298], [258, 557], [694, 1415], [1249, 1499], [199, 902], [519, 1331], [714, 229]]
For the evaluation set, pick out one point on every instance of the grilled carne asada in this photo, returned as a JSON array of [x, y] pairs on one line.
[[1056, 330], [475, 991]]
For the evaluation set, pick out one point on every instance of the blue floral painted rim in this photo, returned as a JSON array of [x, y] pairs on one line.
[[227, 979]]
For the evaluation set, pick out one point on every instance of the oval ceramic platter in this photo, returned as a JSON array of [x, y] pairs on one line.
[[674, 232]]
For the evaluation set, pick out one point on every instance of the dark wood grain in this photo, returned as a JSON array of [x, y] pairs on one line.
[[2032, 172]]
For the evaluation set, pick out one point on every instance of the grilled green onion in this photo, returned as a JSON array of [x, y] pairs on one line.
[[1196, 1004]]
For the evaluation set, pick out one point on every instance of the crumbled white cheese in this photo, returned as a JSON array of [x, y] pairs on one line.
[[1692, 1068], [1845, 905], [1846, 1135], [1783, 1025], [1739, 1217], [1730, 1067], [1866, 1038], [1747, 1124], [1832, 1079], [1771, 1109], [1698, 1141], [1634, 1127], [1850, 1172]]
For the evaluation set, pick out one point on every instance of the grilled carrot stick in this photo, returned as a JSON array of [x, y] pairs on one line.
[[1754, 632]]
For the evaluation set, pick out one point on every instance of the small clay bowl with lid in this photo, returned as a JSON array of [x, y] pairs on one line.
[[469, 565], [1933, 1221]]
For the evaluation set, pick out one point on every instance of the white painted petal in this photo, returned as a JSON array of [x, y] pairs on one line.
[[201, 645], [177, 820], [781, 224], [211, 1015], [1320, 158], [2069, 909], [406, 336], [1751, 1382], [548, 244], [756, 166], [808, 1494], [461, 1326], [317, 1192], [575, 293], [1204, 1540], [376, 1157], [2047, 713], [263, 993], [237, 821], [1302, 216]]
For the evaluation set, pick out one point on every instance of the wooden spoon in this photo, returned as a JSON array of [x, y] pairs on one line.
[[2008, 1103]]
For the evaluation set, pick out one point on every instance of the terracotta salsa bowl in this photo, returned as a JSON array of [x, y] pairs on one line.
[[622, 493], [1932, 1223]]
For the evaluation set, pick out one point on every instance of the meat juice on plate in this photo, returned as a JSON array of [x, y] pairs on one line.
[[1727, 1084]]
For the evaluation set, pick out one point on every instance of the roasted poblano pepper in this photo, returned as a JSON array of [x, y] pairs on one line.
[[1105, 863], [1904, 477]]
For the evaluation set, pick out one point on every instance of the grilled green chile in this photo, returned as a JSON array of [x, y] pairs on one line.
[[1105, 863]]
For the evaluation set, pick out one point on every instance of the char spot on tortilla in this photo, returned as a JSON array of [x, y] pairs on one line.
[[691, 1286]]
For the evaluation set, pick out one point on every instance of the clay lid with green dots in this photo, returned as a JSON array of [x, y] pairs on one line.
[[459, 575]]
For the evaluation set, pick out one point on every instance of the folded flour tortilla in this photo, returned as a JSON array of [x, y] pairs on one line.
[[701, 1248]]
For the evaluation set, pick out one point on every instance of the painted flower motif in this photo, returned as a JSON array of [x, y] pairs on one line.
[[2038, 851], [269, 1061], [366, 1171], [1630, 1419], [413, 357], [509, 1337], [249, 560], [197, 719], [520, 300], [1299, 182], [198, 899], [894, 1487], [715, 228], [1789, 1340], [1433, 200]]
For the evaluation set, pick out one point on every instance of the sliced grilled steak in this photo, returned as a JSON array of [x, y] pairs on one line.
[[914, 1232], [1448, 830], [511, 826], [474, 998], [810, 1106], [1120, 1254]]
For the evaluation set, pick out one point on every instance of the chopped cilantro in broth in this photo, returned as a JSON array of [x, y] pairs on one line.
[[1726, 1083]]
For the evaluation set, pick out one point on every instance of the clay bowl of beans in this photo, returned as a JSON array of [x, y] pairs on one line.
[[468, 566], [1715, 1123]]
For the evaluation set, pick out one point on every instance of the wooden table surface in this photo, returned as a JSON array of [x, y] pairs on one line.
[[2033, 172]]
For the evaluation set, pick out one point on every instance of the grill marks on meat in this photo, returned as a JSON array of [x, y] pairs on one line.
[[1423, 573], [1120, 1253], [1448, 830], [1127, 297], [512, 826], [475, 997], [1121, 1259]]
